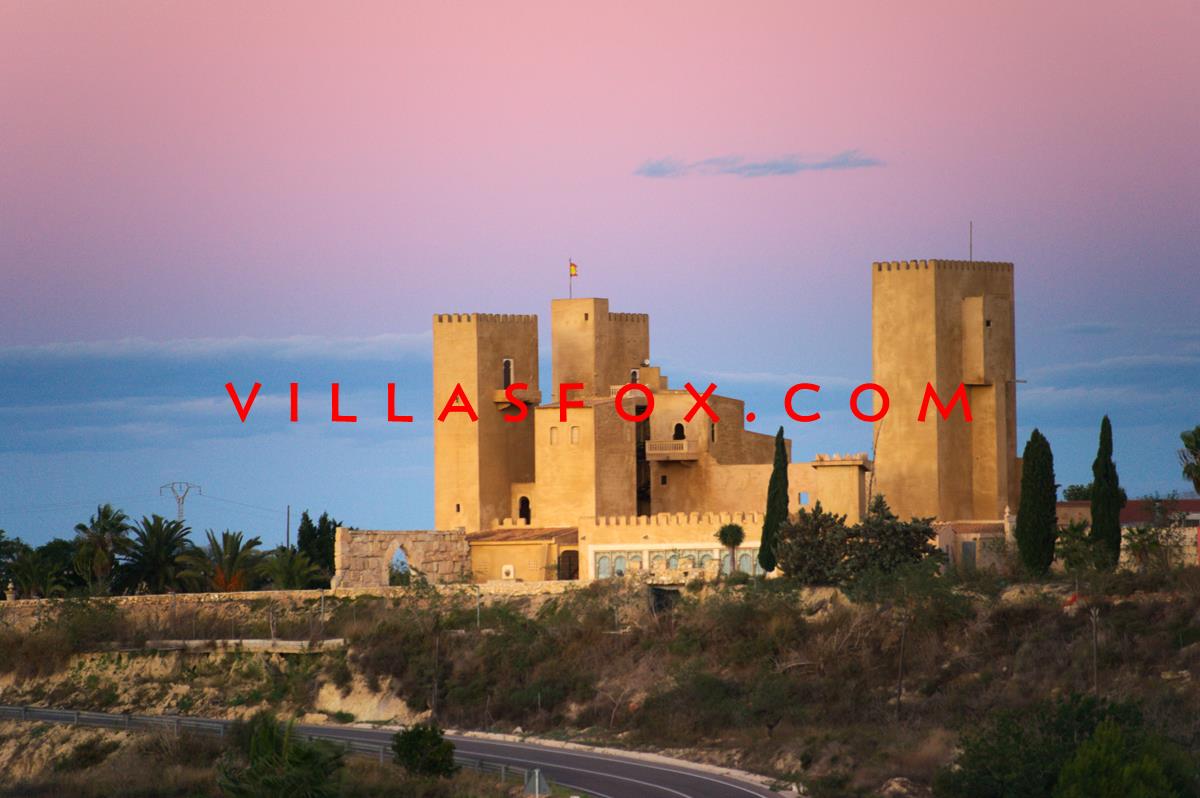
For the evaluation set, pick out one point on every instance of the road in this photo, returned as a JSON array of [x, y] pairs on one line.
[[598, 774]]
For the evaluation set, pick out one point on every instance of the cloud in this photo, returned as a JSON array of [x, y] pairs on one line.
[[740, 167], [1091, 329], [295, 347]]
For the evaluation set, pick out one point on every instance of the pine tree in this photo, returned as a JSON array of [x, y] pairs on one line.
[[777, 505], [1037, 521], [1106, 500], [326, 538]]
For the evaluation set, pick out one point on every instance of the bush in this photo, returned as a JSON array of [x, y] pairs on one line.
[[1019, 753], [1116, 763], [423, 751], [279, 765]]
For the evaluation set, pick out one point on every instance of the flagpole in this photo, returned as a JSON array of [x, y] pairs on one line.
[[570, 280]]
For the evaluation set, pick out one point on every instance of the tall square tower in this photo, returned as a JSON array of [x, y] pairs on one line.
[[945, 323], [476, 462]]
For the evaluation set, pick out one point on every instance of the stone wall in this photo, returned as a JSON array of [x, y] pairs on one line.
[[361, 557]]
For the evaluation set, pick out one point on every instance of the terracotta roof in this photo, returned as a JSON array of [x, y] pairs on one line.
[[1135, 511], [973, 527], [563, 536]]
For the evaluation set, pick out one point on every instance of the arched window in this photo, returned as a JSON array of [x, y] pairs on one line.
[[523, 511], [399, 571], [603, 567], [633, 376], [619, 565], [679, 432], [744, 564], [508, 372], [726, 565], [705, 559], [673, 562]]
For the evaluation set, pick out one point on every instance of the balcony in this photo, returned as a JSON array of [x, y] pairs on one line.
[[530, 396], [672, 450]]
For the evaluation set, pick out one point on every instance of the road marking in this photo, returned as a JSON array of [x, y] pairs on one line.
[[610, 758]]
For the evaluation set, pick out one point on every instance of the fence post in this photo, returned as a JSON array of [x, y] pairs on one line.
[[75, 717], [176, 725], [24, 713], [503, 772], [381, 750], [126, 720]]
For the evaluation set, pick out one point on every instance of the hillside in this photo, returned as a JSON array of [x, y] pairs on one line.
[[842, 696]]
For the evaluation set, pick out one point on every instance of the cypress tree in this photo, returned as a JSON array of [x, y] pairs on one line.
[[1037, 520], [777, 505], [1106, 500]]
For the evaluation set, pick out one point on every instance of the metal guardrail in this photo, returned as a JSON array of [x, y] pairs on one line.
[[218, 728]]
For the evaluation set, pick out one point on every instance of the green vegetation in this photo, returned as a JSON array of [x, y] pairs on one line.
[[817, 548], [422, 751], [98, 544], [316, 541], [1189, 456], [1037, 520], [777, 506], [731, 536], [226, 564], [1078, 747], [155, 561], [1106, 500], [270, 761]]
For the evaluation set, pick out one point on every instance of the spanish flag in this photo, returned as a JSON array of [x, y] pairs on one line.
[[574, 269]]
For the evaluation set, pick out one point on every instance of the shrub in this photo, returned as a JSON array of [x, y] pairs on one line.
[[1116, 763], [279, 765], [1019, 753], [422, 750]]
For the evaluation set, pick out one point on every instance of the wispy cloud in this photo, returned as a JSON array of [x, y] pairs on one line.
[[291, 347], [741, 167], [1091, 329]]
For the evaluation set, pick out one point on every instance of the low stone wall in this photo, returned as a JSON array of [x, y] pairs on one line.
[[361, 557]]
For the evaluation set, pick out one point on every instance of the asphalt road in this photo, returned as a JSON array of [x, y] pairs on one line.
[[598, 774]]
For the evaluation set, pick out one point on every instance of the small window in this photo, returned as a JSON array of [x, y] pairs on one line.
[[554, 436], [508, 372], [585, 317], [679, 432], [458, 508], [803, 498], [662, 480], [712, 431], [633, 376], [574, 434], [987, 323]]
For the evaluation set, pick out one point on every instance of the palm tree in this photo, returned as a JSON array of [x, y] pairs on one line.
[[100, 541], [731, 536], [35, 575], [288, 568], [224, 565], [1189, 456], [156, 555]]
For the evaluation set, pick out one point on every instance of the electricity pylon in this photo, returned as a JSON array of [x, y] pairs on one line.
[[180, 491]]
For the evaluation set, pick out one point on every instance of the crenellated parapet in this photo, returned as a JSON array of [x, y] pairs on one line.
[[943, 265], [484, 318], [680, 520]]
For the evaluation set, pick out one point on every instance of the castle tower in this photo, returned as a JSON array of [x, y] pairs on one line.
[[595, 347], [945, 322], [476, 463]]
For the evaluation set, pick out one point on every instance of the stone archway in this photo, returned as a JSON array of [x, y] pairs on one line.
[[361, 558]]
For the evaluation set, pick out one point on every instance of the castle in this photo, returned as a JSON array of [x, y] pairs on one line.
[[596, 495]]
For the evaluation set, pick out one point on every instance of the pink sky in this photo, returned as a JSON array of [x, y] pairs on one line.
[[201, 162], [222, 170]]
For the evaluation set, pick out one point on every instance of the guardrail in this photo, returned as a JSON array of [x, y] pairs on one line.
[[218, 728]]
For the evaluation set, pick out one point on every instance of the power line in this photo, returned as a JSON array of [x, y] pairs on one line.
[[274, 510], [29, 508]]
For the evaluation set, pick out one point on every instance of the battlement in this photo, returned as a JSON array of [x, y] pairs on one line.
[[942, 265], [637, 318], [484, 318], [857, 458], [682, 520]]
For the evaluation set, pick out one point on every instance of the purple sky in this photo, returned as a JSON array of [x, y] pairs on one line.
[[198, 171]]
